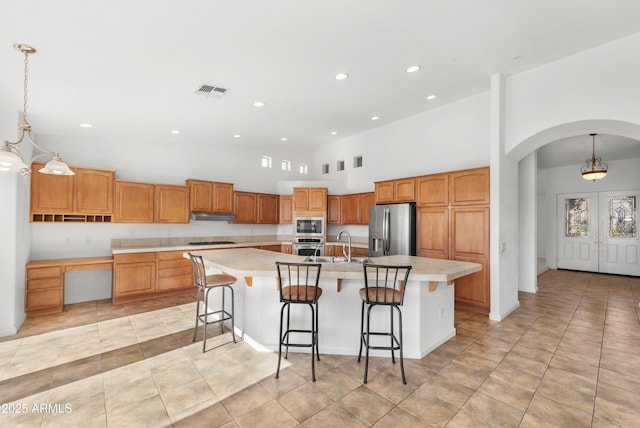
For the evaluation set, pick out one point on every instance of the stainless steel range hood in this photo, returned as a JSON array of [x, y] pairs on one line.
[[206, 216]]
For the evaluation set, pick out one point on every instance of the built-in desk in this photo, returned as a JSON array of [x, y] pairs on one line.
[[44, 291]]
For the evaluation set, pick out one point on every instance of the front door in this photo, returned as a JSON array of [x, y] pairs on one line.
[[597, 232]]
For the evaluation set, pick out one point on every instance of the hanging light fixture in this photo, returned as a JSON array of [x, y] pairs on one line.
[[594, 169], [10, 157]]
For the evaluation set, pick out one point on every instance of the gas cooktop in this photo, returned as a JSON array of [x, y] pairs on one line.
[[211, 243]]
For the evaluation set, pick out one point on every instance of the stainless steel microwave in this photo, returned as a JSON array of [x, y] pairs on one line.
[[309, 226]]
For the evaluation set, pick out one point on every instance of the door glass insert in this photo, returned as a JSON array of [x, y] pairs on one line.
[[622, 217], [577, 217]]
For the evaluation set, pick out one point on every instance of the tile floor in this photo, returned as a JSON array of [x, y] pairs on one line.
[[568, 357]]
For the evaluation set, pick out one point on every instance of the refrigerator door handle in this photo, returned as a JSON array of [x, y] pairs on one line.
[[385, 232]]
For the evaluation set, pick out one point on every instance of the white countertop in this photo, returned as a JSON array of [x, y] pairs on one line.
[[144, 245], [252, 262]]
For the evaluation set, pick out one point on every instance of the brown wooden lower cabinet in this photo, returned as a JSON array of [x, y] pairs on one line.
[[44, 290], [470, 243], [276, 248], [287, 248], [140, 276]]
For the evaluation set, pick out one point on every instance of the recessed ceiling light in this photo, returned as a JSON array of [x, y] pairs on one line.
[[431, 97], [413, 69], [283, 139], [258, 104], [375, 118], [341, 76], [86, 125], [236, 136], [175, 131], [334, 132]]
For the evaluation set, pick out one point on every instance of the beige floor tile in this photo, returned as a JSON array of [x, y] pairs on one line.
[[428, 408], [148, 412], [270, 414], [214, 416], [366, 405], [330, 415], [550, 412], [304, 401], [492, 412], [447, 390], [506, 392], [336, 384]]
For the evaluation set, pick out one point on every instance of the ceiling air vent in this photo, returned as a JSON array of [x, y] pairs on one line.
[[210, 90]]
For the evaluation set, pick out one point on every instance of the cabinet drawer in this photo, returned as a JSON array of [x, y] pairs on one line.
[[174, 271], [171, 255], [174, 263], [134, 257], [42, 283], [43, 299], [173, 282], [47, 272]]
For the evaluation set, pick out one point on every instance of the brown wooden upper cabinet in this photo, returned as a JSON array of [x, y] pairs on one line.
[[245, 207], [211, 196], [401, 190], [433, 190], [90, 191], [334, 209], [267, 208], [310, 199], [171, 204], [286, 209], [469, 187], [134, 202]]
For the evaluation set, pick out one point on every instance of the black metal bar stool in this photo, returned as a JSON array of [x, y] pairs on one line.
[[384, 285], [298, 284], [205, 284]]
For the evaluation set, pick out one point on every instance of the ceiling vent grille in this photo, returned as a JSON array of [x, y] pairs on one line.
[[210, 91]]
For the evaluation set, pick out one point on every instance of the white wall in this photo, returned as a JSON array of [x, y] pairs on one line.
[[527, 230], [454, 136], [15, 232], [597, 84], [623, 175]]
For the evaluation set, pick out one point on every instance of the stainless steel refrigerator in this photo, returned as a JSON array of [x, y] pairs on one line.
[[392, 229]]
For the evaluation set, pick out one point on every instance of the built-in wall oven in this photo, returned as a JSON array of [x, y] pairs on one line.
[[308, 246]]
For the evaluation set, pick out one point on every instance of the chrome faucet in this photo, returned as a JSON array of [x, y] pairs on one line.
[[346, 255], [316, 252]]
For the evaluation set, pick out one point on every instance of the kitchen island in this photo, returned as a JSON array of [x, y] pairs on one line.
[[428, 311]]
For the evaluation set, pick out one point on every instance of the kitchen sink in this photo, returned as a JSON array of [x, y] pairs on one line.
[[334, 259]]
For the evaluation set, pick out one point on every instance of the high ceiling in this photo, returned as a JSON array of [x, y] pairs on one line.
[[131, 67]]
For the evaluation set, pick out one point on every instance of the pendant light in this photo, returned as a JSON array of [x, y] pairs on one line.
[[594, 169], [10, 157]]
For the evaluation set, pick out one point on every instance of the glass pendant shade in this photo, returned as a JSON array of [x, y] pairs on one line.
[[57, 167], [10, 161]]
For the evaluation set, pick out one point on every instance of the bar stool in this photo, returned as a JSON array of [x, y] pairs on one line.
[[384, 285], [298, 284], [205, 284]]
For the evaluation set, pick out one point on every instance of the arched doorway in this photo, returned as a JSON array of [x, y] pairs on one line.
[[529, 181]]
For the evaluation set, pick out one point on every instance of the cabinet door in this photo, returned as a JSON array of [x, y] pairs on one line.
[[287, 248], [94, 191], [433, 190], [317, 199], [134, 274], [286, 209], [268, 209], [367, 200], [43, 293], [351, 209], [470, 187], [245, 207], [134, 202], [171, 204], [51, 193], [334, 203], [433, 232], [223, 197], [404, 190], [384, 192], [470, 243], [201, 195], [301, 199]]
